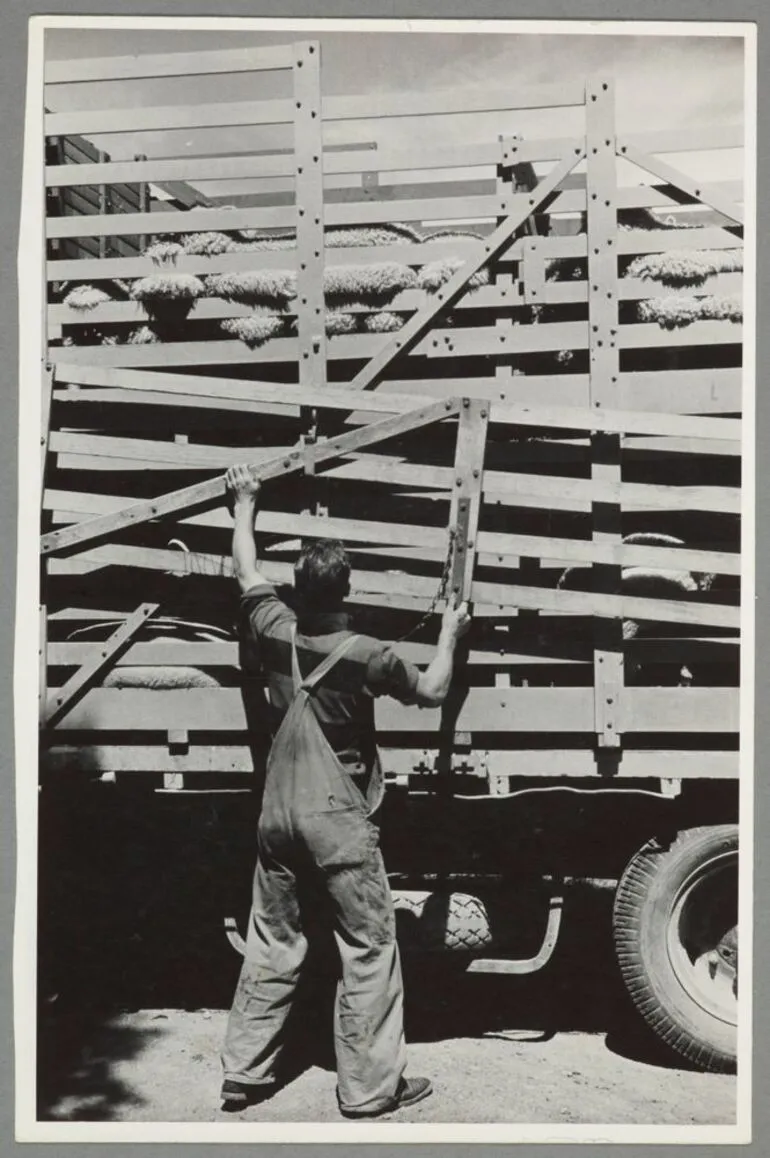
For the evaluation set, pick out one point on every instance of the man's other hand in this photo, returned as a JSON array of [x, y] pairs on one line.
[[456, 618], [242, 484]]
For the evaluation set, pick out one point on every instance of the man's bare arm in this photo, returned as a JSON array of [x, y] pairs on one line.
[[433, 684], [244, 489]]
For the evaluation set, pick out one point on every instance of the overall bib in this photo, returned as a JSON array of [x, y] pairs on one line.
[[315, 825]]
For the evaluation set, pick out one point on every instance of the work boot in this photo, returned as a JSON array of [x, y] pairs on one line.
[[239, 1095], [410, 1091]]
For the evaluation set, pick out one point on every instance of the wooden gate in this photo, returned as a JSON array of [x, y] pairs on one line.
[[541, 411]]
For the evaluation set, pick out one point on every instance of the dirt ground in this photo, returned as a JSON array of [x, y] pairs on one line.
[[162, 1065]]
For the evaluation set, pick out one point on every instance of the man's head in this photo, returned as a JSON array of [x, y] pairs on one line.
[[322, 575]]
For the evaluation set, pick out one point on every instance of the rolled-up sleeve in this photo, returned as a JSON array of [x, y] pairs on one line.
[[262, 612], [387, 674]]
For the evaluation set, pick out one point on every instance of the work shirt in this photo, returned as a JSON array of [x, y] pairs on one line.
[[344, 702]]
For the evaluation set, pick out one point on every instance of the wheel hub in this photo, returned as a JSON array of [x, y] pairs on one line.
[[702, 937]]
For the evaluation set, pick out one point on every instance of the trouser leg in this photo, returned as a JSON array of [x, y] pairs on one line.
[[369, 1015], [275, 950]]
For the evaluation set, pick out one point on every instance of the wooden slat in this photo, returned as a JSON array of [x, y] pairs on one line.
[[165, 653], [486, 297], [417, 592], [273, 166], [146, 66], [530, 393], [334, 108], [623, 421], [279, 217], [467, 341], [677, 391], [143, 118], [464, 341], [629, 242], [596, 603], [539, 763], [176, 653], [549, 710], [507, 488], [86, 269], [691, 139], [635, 241], [178, 221]]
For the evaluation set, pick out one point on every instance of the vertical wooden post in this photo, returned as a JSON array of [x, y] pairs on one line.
[[507, 183], [311, 310], [104, 204], [308, 155], [601, 221], [465, 504], [144, 202], [464, 511]]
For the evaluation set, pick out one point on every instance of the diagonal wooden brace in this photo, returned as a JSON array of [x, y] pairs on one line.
[[210, 492], [698, 189], [58, 704], [414, 329]]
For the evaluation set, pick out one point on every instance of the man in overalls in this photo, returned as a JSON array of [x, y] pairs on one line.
[[323, 782]]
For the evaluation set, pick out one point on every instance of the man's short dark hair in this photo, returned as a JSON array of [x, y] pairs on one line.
[[322, 575]]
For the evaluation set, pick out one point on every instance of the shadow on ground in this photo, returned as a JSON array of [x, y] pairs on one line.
[[133, 890]]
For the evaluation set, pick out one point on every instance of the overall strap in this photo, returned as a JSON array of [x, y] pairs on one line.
[[322, 669]]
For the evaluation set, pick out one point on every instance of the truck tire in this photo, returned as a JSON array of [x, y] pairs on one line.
[[676, 937]]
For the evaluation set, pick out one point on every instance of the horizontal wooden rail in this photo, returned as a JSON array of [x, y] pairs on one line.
[[152, 66], [387, 162], [485, 297], [104, 408], [622, 421], [495, 549], [283, 216], [500, 487], [417, 593], [677, 391], [551, 249], [548, 710], [449, 102], [87, 269], [541, 763], [548, 338], [554, 336], [561, 652], [461, 189]]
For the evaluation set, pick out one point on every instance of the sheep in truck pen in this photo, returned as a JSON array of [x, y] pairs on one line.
[[506, 371]]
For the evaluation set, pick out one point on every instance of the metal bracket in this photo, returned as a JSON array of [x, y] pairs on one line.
[[544, 953], [460, 546]]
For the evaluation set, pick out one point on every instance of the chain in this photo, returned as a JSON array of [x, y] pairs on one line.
[[440, 592]]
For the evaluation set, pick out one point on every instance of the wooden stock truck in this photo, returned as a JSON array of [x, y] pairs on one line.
[[506, 367]]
